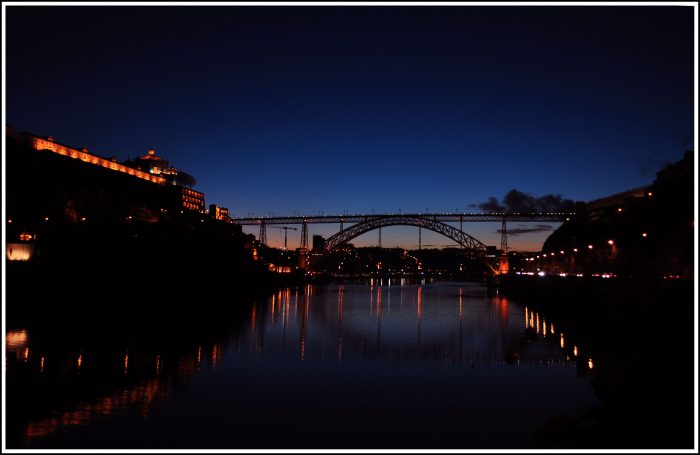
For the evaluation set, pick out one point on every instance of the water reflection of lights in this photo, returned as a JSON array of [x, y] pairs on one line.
[[139, 397], [352, 328], [420, 302], [214, 356], [532, 320], [527, 320]]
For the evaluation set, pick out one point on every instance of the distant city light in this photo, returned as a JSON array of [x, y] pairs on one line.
[[644, 234], [611, 242], [590, 247]]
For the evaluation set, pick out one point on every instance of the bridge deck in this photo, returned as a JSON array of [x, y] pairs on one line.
[[449, 217]]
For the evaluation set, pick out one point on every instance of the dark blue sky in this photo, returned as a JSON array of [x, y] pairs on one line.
[[307, 109]]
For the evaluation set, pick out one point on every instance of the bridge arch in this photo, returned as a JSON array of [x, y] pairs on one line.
[[462, 238]]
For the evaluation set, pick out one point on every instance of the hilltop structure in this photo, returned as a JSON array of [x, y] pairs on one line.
[[53, 184]]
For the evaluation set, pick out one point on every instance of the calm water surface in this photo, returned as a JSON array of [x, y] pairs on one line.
[[338, 366]]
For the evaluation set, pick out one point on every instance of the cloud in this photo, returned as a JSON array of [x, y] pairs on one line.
[[527, 230], [491, 205], [518, 201]]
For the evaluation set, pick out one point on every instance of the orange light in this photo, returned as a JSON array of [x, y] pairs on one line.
[[9, 221], [619, 209], [650, 193], [46, 218], [16, 339], [590, 363]]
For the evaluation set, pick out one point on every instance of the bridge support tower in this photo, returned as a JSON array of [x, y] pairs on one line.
[[263, 234], [304, 237], [503, 259]]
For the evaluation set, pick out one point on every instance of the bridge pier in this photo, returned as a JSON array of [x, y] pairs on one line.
[[304, 237], [503, 265], [263, 234]]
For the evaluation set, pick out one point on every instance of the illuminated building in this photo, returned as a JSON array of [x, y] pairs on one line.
[[171, 188], [218, 213], [150, 162], [48, 144], [279, 268], [22, 251], [192, 200], [155, 165], [19, 251]]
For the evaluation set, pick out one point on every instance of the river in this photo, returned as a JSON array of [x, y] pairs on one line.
[[442, 365]]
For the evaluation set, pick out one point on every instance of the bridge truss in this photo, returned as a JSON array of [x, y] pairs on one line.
[[464, 239]]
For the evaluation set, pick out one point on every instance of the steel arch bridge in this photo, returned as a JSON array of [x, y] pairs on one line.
[[462, 238], [347, 234]]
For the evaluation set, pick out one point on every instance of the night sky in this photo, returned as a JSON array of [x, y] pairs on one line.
[[327, 109]]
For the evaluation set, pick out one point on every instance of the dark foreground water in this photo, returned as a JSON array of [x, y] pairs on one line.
[[338, 366]]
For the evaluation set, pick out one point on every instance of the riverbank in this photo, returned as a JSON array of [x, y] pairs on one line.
[[105, 296], [641, 335]]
